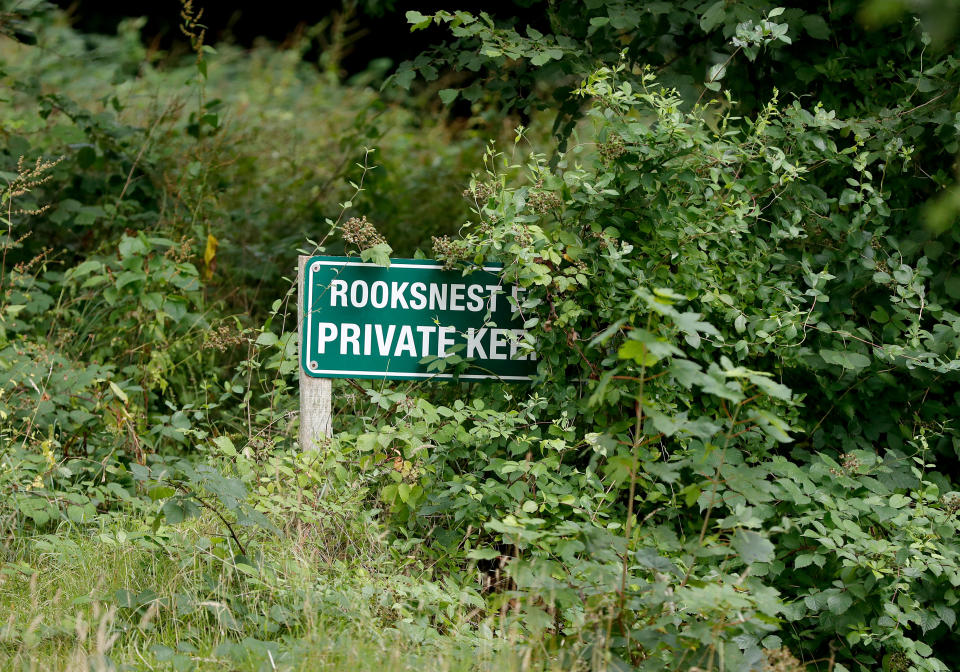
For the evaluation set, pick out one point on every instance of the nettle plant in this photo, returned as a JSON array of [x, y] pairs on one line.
[[658, 490]]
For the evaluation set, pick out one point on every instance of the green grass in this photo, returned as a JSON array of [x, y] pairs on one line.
[[63, 596]]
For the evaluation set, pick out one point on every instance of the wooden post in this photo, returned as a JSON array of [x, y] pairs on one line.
[[315, 393]]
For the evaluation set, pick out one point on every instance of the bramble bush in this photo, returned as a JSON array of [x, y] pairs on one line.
[[739, 448]]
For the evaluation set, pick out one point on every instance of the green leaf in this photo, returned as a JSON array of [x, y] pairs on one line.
[[646, 348], [540, 58], [713, 17], [839, 603], [85, 268], [846, 358], [773, 426], [815, 26], [225, 445], [75, 513], [118, 393], [447, 96], [267, 338], [161, 492], [130, 246], [483, 553], [378, 254], [637, 352], [173, 512], [244, 568], [770, 387], [752, 547], [952, 286], [419, 21]]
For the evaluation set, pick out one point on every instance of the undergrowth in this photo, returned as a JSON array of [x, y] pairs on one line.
[[738, 451]]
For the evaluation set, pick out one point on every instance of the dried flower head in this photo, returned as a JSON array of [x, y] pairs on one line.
[[951, 502], [782, 660], [182, 251], [480, 192], [612, 149], [898, 662], [522, 235], [223, 337], [543, 202], [360, 232], [24, 267], [449, 250], [191, 26], [27, 179], [849, 464], [603, 240]]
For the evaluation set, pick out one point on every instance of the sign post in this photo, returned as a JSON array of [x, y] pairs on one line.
[[315, 393], [362, 320]]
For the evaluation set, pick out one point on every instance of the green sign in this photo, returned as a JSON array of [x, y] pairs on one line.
[[362, 320]]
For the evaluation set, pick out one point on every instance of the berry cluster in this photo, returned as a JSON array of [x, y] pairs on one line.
[[613, 148], [222, 338], [543, 202], [360, 232], [782, 660], [449, 250], [849, 464], [480, 192]]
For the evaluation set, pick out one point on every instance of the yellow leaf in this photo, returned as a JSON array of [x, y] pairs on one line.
[[119, 393], [211, 252], [210, 256]]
